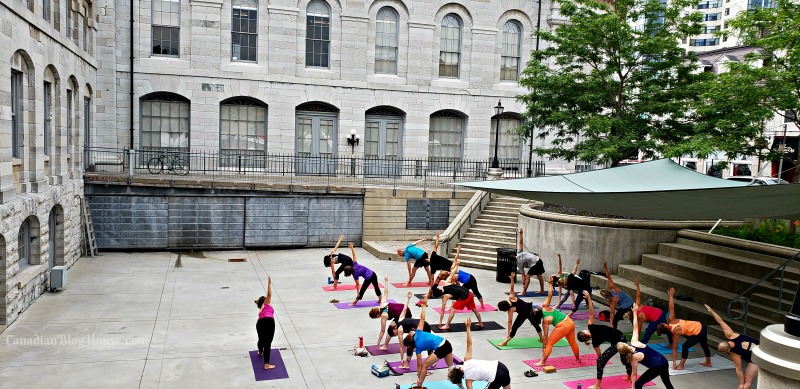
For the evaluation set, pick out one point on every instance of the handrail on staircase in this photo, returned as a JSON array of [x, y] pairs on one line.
[[745, 302], [452, 235]]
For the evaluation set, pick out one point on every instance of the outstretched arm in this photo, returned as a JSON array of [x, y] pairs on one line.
[[560, 269], [575, 269], [405, 308], [269, 291], [611, 285], [588, 298], [638, 293], [419, 241], [546, 302], [353, 251], [635, 333], [520, 239], [336, 247], [385, 296], [511, 295], [421, 325], [671, 316], [468, 353], [728, 331], [436, 244]]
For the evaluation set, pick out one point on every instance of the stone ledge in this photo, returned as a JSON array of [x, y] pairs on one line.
[[778, 353], [530, 211], [28, 274]]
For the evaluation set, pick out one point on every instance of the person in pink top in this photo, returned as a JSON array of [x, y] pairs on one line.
[[651, 315], [265, 326]]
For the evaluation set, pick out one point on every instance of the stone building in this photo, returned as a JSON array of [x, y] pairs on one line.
[[47, 89]]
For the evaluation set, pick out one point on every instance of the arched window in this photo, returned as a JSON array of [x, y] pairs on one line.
[[24, 245], [318, 34], [244, 30], [446, 137], [165, 122], [242, 131], [166, 24], [512, 41], [386, 40], [509, 150], [450, 47]]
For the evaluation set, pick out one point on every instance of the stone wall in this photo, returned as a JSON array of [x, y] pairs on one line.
[[385, 212]]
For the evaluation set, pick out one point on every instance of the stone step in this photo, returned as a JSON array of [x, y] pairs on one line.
[[738, 263], [476, 256], [772, 300], [502, 208], [487, 246], [659, 282], [775, 261], [733, 282], [511, 225], [467, 262], [474, 235], [485, 229], [500, 215], [478, 251]]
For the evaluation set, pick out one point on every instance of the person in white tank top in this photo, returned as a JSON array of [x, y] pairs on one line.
[[493, 372]]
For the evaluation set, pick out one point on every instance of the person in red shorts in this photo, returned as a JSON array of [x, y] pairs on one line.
[[451, 290]]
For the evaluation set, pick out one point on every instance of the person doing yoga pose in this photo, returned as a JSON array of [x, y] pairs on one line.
[[466, 280], [418, 341], [577, 284], [403, 327], [495, 373], [388, 311], [265, 326], [462, 298], [651, 315], [369, 276], [639, 353], [600, 334], [338, 258], [438, 262], [694, 332], [420, 260], [740, 348], [619, 303], [563, 327], [533, 263], [524, 310]]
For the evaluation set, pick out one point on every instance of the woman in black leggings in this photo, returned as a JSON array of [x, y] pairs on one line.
[[360, 271], [638, 352], [577, 284], [600, 334], [265, 326], [524, 310]]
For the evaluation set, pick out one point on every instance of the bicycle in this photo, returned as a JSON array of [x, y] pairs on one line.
[[169, 162]]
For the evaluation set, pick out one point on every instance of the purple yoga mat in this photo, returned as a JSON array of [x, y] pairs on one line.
[[361, 304], [412, 368], [278, 373], [579, 315], [394, 348]]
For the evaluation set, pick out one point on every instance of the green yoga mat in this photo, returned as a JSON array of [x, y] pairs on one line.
[[518, 343], [641, 335]]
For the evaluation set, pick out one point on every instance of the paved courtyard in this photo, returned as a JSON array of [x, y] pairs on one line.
[[135, 320]]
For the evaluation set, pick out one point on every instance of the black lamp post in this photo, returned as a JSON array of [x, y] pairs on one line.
[[498, 110]]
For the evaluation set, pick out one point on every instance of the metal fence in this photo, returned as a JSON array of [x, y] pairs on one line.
[[301, 169]]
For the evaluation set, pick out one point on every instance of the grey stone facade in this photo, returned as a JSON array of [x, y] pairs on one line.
[[41, 179]]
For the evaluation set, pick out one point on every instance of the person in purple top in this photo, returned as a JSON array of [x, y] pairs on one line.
[[360, 271]]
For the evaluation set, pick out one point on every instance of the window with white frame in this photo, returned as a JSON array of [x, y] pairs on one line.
[[244, 30], [165, 123], [166, 24], [450, 47], [243, 130], [386, 40], [318, 34], [510, 59], [446, 135]]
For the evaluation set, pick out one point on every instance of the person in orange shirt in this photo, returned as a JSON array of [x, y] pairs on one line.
[[694, 332]]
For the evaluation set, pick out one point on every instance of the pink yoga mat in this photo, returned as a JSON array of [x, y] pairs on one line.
[[360, 304], [569, 362], [329, 288], [394, 348], [415, 284], [612, 382], [487, 308], [412, 368]]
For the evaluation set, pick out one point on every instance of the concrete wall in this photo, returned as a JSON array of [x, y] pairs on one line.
[[595, 240], [385, 212]]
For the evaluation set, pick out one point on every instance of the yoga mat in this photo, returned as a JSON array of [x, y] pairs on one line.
[[641, 335], [415, 284], [520, 343], [329, 288], [361, 304], [412, 368], [693, 366], [488, 308], [278, 373], [536, 294], [446, 385], [662, 348], [568, 307], [394, 348], [579, 315], [568, 362], [461, 327], [609, 382]]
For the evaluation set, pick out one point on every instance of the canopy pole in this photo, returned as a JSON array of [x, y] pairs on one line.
[[715, 226]]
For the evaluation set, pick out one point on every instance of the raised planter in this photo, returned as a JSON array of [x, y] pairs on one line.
[[595, 239]]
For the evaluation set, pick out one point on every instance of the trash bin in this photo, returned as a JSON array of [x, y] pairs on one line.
[[506, 262]]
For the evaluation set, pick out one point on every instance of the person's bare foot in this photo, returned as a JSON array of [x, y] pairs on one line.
[[407, 284], [595, 386], [382, 347], [260, 354], [480, 325], [626, 378], [444, 327], [679, 367], [540, 363], [267, 366], [706, 364], [541, 291]]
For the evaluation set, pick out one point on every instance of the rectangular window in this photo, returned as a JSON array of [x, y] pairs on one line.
[[711, 17], [48, 113], [16, 114], [727, 11], [242, 133], [318, 40], [427, 214], [510, 58], [46, 10], [450, 52], [710, 29], [87, 122], [244, 30], [68, 12], [166, 18], [165, 125], [85, 30], [704, 42], [386, 37], [69, 121]]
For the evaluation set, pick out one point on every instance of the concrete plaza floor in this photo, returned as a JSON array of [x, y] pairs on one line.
[[135, 320]]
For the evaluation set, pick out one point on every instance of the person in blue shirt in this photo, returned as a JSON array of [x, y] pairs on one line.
[[619, 303], [418, 341], [420, 260]]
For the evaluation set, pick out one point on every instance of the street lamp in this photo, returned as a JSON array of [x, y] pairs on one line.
[[498, 110]]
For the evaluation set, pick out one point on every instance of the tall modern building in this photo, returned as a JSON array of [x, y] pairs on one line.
[[716, 17]]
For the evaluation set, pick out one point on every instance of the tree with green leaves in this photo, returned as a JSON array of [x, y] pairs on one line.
[[604, 90]]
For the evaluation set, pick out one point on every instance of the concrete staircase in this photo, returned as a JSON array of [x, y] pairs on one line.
[[711, 274], [495, 227]]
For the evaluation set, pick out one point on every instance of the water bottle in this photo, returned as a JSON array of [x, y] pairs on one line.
[[360, 342], [330, 281], [579, 386]]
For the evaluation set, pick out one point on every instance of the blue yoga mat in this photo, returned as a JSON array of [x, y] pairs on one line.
[[446, 385], [663, 348]]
